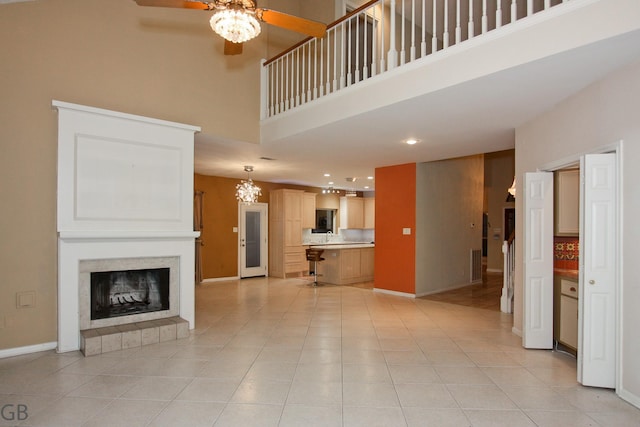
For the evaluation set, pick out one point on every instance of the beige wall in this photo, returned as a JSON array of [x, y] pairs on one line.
[[449, 198], [499, 168], [156, 62], [601, 114]]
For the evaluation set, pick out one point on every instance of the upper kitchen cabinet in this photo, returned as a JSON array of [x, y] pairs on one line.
[[351, 212], [357, 212], [369, 212], [309, 210], [567, 202]]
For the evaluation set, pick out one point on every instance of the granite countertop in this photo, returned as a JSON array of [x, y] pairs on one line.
[[343, 245], [571, 274]]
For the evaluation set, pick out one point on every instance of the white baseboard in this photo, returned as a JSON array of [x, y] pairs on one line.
[[19, 351], [516, 331], [396, 293], [220, 279], [629, 397], [449, 288]]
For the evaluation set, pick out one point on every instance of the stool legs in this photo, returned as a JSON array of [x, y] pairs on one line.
[[315, 273]]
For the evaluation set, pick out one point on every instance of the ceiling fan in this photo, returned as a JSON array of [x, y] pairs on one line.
[[238, 20]]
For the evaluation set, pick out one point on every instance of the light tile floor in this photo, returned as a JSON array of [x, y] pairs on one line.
[[270, 352]]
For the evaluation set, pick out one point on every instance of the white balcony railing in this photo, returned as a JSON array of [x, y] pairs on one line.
[[378, 37]]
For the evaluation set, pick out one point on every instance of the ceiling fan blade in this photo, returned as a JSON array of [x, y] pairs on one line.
[[293, 23], [183, 4], [231, 48]]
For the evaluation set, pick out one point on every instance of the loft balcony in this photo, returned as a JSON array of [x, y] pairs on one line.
[[464, 72]]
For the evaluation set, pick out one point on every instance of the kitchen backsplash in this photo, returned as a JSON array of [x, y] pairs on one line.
[[345, 235], [566, 251]]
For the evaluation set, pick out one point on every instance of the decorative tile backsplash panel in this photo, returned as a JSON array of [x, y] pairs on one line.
[[566, 251]]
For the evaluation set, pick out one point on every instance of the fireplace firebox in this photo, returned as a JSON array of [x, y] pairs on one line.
[[129, 292]]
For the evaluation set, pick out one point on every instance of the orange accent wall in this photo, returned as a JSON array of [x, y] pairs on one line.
[[395, 262]]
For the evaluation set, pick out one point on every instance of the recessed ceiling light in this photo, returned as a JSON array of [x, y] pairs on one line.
[[330, 182], [411, 141], [327, 174], [369, 177], [366, 187]]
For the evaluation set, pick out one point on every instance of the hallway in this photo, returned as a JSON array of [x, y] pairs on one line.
[[484, 295]]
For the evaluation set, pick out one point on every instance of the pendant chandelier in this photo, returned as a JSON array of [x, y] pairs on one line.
[[247, 192], [237, 26]]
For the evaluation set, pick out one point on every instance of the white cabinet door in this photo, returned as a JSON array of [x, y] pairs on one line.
[[599, 273], [567, 203], [538, 261]]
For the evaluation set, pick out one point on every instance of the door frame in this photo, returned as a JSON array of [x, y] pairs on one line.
[[617, 149], [264, 225]]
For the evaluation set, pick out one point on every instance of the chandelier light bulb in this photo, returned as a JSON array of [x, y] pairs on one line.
[[237, 26]]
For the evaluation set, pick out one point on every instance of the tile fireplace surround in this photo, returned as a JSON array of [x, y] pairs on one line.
[[125, 201]]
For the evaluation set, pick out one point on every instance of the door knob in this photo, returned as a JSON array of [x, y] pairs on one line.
[[592, 282]]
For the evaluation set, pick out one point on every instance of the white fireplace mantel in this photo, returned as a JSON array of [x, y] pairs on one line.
[[125, 190]]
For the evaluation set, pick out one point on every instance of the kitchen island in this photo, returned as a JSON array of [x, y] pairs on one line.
[[346, 263]]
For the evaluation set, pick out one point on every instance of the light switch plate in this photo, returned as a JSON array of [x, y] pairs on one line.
[[406, 231]]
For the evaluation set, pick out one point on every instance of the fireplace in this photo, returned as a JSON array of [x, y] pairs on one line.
[[125, 223], [117, 291], [128, 292]]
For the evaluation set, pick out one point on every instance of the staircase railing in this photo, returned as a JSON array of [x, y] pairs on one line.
[[509, 251], [378, 37]]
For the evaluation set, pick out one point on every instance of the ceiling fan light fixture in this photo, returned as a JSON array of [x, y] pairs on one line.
[[237, 26]]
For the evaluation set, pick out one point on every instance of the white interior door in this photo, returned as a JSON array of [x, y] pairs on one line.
[[598, 285], [538, 261], [252, 237]]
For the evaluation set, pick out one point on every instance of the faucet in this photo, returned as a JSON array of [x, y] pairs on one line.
[[327, 236]]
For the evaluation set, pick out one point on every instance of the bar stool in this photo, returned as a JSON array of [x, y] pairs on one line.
[[315, 255]]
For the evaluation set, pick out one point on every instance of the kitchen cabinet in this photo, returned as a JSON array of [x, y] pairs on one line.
[[309, 210], [567, 202], [367, 258], [286, 253], [566, 311], [347, 266], [351, 212], [369, 212]]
